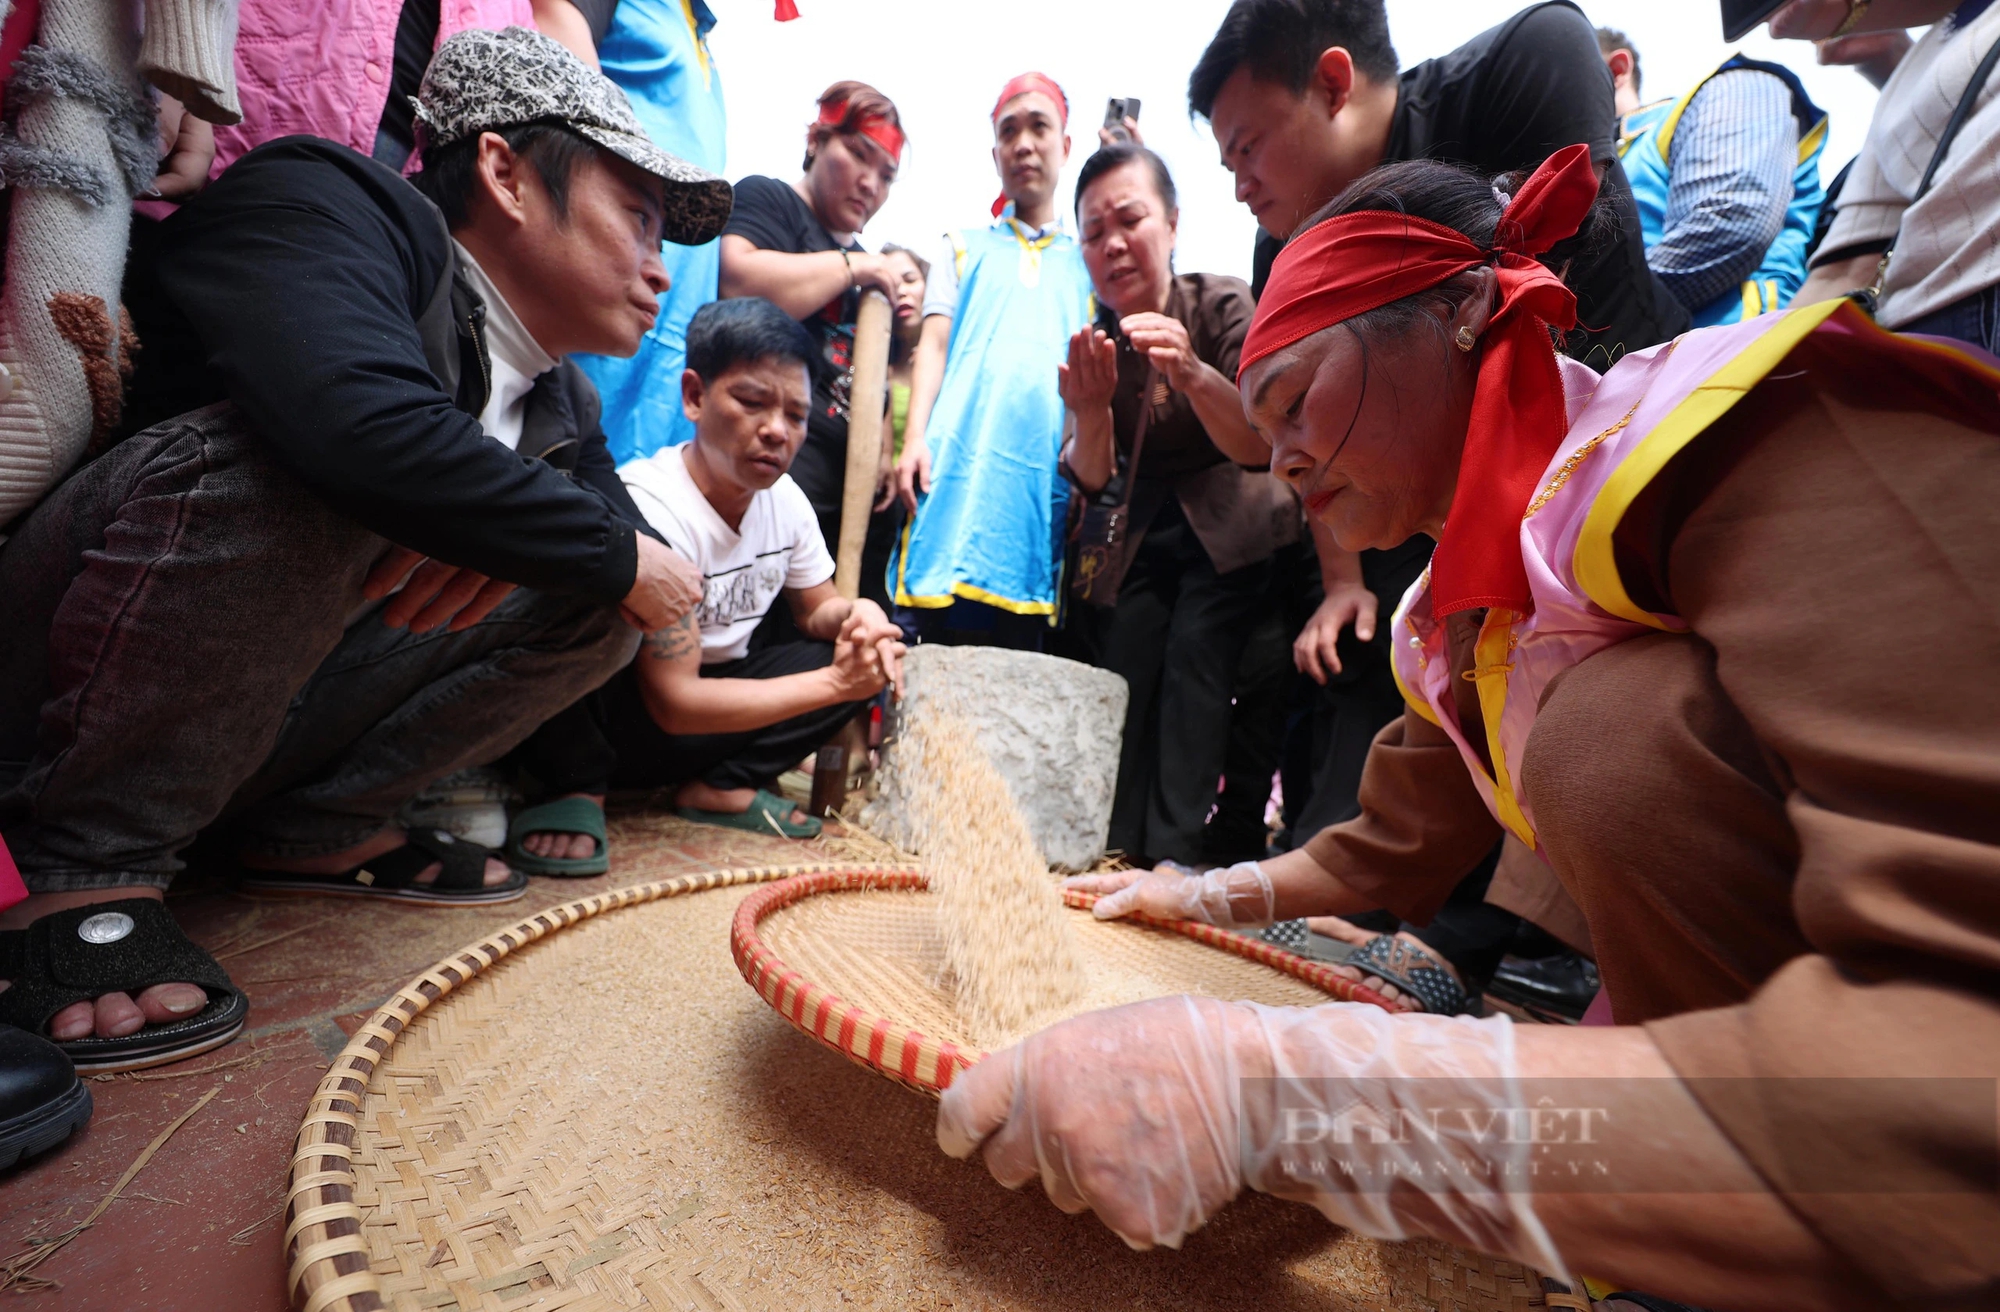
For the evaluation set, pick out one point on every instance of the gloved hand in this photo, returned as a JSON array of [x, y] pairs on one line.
[[1239, 897], [1154, 1115]]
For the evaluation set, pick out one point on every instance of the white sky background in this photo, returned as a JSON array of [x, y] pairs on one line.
[[943, 61]]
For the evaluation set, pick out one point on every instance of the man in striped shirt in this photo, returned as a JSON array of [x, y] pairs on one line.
[[1726, 178]]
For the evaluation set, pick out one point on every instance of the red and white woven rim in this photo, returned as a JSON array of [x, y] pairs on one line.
[[906, 1055]]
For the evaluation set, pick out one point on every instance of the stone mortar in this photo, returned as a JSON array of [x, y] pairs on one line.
[[1051, 727]]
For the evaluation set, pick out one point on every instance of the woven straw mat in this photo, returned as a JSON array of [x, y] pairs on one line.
[[591, 1110]]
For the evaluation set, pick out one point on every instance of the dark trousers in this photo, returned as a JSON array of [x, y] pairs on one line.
[[1257, 731], [1333, 725], [1177, 636], [1975, 319], [609, 738], [186, 640]]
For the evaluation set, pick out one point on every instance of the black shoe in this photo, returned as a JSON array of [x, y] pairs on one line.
[[1561, 985], [42, 1099]]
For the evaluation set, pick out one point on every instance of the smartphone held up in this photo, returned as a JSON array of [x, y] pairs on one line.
[[1118, 112]]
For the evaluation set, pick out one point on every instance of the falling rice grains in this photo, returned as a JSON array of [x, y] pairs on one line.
[[1009, 953]]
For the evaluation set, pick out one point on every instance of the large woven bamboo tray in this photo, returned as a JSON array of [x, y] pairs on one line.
[[854, 959], [588, 1110]]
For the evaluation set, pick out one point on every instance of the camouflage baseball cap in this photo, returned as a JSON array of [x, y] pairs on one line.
[[483, 81]]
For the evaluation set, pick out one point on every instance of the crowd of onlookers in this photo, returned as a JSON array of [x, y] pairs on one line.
[[400, 417]]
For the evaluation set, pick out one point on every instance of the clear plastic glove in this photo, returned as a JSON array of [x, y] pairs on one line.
[[1238, 897], [1156, 1114]]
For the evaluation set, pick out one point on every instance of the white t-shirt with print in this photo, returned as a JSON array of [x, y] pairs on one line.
[[778, 546]]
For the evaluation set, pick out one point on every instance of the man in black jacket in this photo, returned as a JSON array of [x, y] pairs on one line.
[[387, 544]]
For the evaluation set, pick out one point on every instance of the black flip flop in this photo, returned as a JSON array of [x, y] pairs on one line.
[[461, 879], [126, 946]]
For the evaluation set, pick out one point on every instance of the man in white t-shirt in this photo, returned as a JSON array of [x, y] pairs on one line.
[[698, 708]]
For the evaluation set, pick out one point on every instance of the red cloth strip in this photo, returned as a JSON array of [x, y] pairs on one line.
[[875, 127], [1026, 82]]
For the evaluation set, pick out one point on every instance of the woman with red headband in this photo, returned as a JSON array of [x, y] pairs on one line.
[[798, 244], [1653, 645]]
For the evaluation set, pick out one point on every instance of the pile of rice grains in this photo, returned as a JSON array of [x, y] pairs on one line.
[[1011, 959]]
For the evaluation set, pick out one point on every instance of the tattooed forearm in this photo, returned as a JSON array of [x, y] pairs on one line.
[[673, 642]]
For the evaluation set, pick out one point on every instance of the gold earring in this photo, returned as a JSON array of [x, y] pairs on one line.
[[1466, 337]]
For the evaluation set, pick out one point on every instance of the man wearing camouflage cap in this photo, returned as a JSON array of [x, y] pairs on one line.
[[382, 539]]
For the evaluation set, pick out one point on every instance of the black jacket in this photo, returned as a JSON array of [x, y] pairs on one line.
[[1505, 101], [323, 292]]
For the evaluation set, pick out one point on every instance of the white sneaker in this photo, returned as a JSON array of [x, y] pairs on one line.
[[471, 804]]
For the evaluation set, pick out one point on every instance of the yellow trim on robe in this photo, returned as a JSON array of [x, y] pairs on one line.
[[1410, 699], [1673, 118], [1810, 141], [1492, 661], [1625, 138], [965, 591], [700, 45], [1595, 562]]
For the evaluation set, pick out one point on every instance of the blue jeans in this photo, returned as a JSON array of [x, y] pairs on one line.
[[1975, 319], [186, 640]]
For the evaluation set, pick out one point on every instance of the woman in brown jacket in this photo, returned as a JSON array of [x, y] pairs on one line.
[[1717, 636]]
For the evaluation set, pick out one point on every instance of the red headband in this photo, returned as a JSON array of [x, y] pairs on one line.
[[1357, 262], [1019, 86], [875, 127], [1041, 82]]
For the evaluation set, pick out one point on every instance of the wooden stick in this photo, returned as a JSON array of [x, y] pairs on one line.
[[864, 436]]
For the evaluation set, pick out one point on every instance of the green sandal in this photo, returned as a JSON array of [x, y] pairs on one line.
[[565, 815], [768, 814]]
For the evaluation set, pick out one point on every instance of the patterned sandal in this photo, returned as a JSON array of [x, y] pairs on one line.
[[461, 879], [1415, 970], [126, 946], [1291, 935]]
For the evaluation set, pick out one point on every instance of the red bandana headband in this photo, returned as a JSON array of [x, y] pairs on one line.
[[1027, 82], [875, 127], [1021, 85], [1358, 262]]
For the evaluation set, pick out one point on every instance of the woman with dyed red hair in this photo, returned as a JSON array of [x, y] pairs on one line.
[[1715, 636], [798, 244]]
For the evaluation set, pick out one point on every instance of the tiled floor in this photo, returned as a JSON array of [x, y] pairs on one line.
[[200, 1226]]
